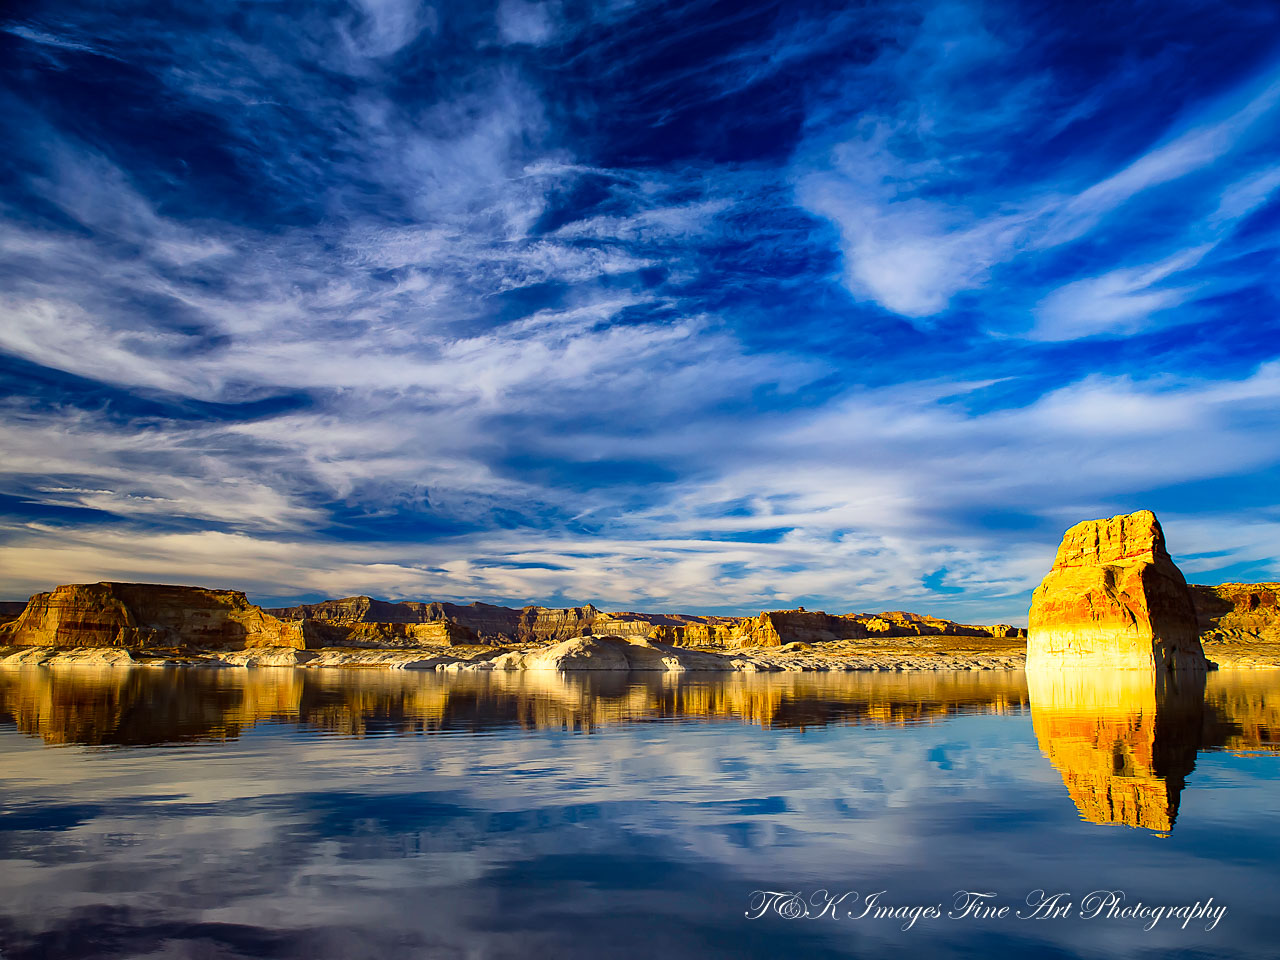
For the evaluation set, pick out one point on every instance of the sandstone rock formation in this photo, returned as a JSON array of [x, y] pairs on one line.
[[612, 653], [1124, 741], [144, 615], [1238, 612], [779, 627], [484, 622], [175, 624], [707, 632], [1114, 598], [677, 629], [321, 633]]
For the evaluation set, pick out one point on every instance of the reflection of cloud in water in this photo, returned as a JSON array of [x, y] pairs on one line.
[[505, 832]]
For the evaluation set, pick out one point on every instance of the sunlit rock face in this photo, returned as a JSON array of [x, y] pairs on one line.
[[483, 621], [774, 628], [1238, 611], [320, 633], [1124, 741], [677, 629], [488, 623], [146, 615], [1114, 598]]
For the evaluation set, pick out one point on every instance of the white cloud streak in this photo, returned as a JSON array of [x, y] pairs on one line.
[[921, 228]]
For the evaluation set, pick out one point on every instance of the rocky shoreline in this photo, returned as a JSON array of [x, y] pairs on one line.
[[582, 653], [668, 659]]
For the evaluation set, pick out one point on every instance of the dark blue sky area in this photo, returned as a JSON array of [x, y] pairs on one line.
[[713, 306]]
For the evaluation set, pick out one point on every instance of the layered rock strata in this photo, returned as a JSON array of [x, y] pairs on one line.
[[1114, 598], [484, 622], [779, 627], [1238, 612], [146, 616], [533, 624]]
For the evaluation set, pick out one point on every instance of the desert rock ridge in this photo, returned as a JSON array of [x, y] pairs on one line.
[[1113, 599]]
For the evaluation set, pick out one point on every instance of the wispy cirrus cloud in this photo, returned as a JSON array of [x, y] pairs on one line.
[[688, 307], [922, 226]]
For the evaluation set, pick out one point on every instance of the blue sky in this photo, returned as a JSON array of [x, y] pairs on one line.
[[702, 306]]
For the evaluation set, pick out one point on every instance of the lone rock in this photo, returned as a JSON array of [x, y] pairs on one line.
[[1114, 599]]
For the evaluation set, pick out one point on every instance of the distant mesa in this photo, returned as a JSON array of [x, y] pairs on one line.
[[1114, 599], [779, 627], [152, 618]]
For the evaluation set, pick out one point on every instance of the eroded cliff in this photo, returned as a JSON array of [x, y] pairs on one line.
[[776, 628], [1238, 612], [146, 615], [1114, 598]]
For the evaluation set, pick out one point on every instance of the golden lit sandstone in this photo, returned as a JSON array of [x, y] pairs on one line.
[[776, 628], [481, 622], [1238, 612], [1124, 741], [146, 615], [1114, 599]]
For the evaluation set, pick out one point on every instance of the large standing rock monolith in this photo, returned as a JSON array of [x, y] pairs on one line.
[[1114, 599]]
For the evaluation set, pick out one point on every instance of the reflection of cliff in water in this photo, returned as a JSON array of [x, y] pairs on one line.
[[1124, 746], [1124, 741], [1242, 712], [137, 706]]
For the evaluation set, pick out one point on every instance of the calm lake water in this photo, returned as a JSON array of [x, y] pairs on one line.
[[329, 814]]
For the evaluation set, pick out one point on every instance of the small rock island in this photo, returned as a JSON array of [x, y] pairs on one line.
[[1113, 600]]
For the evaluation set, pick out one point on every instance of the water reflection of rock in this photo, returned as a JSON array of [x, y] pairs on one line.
[[122, 706], [1242, 712], [1123, 744], [1124, 741]]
